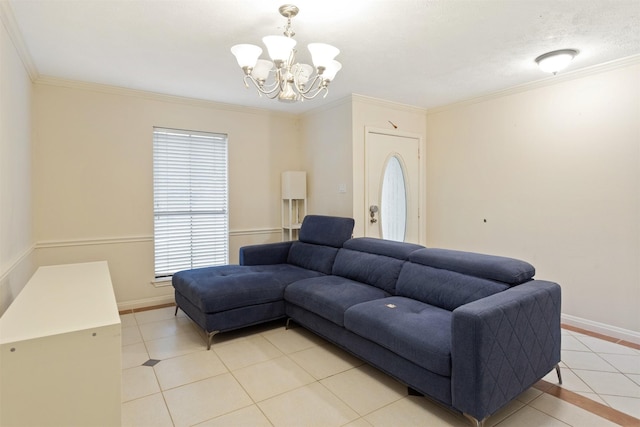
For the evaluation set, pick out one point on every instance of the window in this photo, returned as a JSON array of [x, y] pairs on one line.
[[394, 201], [190, 200]]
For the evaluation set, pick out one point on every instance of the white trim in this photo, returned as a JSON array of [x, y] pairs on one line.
[[91, 242], [161, 282], [549, 81], [13, 264], [155, 96], [9, 20], [46, 244], [255, 231], [388, 104], [601, 328], [146, 302], [328, 106]]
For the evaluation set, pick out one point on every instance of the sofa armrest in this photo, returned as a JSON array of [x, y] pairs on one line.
[[502, 344], [265, 254]]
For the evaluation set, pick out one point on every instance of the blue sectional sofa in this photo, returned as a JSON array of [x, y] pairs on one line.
[[471, 331]]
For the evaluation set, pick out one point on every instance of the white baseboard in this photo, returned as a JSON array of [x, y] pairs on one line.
[[146, 302], [601, 328]]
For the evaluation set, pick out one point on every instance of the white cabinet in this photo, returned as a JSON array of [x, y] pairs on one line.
[[294, 203], [60, 350]]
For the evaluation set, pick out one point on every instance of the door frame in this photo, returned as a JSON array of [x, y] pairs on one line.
[[363, 212]]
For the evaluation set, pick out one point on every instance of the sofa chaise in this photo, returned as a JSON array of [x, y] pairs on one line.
[[470, 331]]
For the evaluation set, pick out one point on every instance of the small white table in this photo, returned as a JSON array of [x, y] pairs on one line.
[[60, 350]]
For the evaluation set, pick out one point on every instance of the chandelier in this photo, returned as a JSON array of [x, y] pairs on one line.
[[291, 81]]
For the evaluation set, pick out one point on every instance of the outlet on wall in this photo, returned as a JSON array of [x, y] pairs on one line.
[[342, 188]]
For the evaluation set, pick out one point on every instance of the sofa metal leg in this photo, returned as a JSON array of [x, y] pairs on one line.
[[559, 374], [286, 325], [176, 313], [474, 420], [210, 338]]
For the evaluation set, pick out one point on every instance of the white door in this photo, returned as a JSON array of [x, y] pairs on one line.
[[392, 177]]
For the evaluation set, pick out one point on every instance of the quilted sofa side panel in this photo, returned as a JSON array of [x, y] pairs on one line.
[[503, 344]]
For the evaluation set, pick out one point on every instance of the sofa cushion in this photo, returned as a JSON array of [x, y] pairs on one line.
[[326, 230], [373, 261], [376, 270], [501, 269], [330, 296], [313, 257], [388, 248], [216, 289], [419, 332], [443, 288]]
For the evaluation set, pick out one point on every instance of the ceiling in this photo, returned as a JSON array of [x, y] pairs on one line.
[[426, 53]]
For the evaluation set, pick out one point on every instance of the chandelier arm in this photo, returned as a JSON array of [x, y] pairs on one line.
[[316, 84], [278, 84], [261, 89], [320, 89]]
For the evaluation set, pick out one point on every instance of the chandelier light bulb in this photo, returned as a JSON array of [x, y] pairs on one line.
[[322, 54], [331, 70], [261, 70], [246, 54], [552, 62], [279, 47], [302, 72]]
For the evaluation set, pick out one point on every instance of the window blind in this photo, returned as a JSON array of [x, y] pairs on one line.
[[190, 200]]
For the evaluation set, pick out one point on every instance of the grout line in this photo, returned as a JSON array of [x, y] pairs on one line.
[[587, 404], [600, 336]]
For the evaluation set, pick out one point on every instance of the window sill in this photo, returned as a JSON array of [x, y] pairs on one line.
[[161, 282]]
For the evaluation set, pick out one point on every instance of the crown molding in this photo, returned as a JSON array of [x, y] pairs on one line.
[[155, 96], [369, 100], [549, 81], [11, 25], [328, 106]]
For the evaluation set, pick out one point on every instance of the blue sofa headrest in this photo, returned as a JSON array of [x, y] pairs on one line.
[[506, 270], [326, 230], [388, 248]]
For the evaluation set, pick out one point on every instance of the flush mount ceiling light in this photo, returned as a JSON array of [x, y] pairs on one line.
[[552, 62], [292, 81]]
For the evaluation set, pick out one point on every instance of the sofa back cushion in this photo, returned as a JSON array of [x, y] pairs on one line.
[[312, 257], [449, 279], [506, 270], [375, 262], [443, 288], [319, 239]]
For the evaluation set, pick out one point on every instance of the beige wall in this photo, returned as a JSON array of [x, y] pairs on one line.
[[326, 142], [16, 239], [555, 172], [93, 176]]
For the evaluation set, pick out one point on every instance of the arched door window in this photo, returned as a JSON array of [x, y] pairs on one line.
[[393, 201]]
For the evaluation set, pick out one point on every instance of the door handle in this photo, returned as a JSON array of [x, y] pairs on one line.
[[373, 209]]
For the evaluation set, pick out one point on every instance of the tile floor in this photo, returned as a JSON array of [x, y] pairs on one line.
[[269, 376]]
